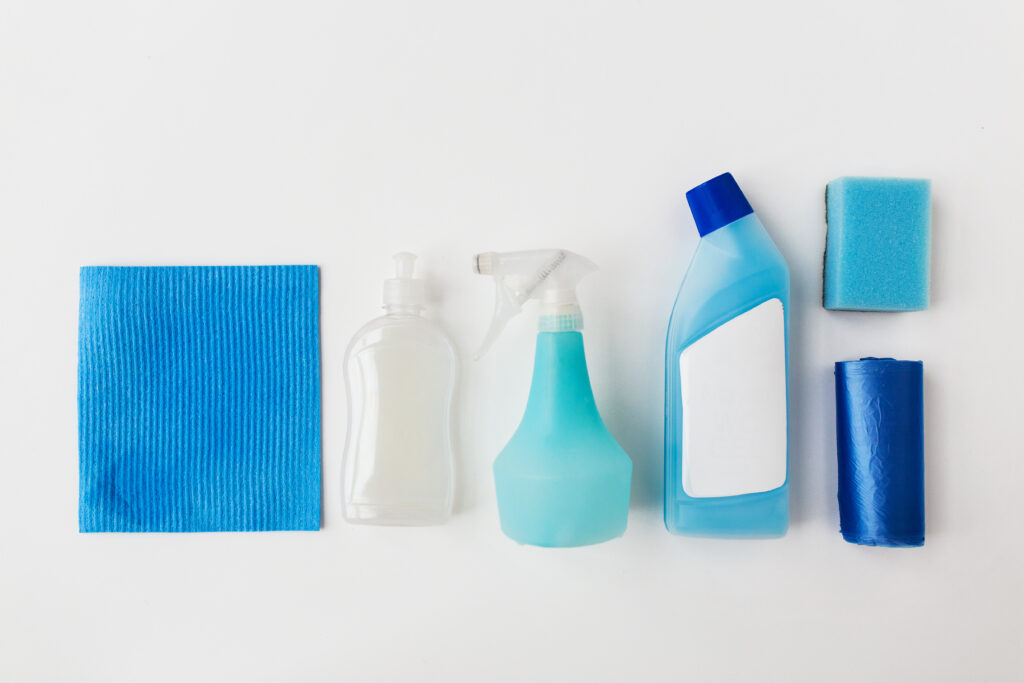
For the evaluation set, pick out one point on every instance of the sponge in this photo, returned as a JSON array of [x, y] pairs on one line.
[[878, 249]]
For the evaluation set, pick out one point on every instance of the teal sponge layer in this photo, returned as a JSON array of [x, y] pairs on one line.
[[878, 249]]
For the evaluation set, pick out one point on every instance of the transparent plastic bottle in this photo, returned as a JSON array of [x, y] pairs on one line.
[[400, 376], [726, 420]]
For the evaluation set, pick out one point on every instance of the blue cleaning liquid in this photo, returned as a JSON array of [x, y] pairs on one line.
[[726, 445], [562, 480]]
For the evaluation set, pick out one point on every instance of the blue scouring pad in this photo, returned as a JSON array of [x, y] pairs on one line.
[[878, 249], [199, 399]]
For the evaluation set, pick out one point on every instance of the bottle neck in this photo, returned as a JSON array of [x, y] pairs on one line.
[[560, 390], [742, 237], [560, 317], [402, 309]]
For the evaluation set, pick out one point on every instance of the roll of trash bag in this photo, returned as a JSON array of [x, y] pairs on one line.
[[880, 446]]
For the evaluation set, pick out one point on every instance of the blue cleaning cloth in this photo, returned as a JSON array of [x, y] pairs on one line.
[[879, 244], [199, 399]]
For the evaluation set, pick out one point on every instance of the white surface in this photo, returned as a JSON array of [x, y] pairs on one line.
[[733, 383], [336, 133]]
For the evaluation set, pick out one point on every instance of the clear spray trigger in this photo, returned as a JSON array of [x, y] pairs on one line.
[[505, 308], [549, 275]]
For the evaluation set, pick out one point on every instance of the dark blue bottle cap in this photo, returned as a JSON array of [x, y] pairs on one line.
[[717, 203]]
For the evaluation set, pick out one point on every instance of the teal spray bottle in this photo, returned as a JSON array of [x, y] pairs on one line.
[[562, 480]]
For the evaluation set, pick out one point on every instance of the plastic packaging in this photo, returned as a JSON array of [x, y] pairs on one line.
[[726, 446], [880, 446], [562, 480], [400, 375]]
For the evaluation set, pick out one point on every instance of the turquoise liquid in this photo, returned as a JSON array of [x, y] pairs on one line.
[[562, 480]]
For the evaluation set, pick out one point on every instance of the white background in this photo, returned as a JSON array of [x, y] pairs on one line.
[[338, 133]]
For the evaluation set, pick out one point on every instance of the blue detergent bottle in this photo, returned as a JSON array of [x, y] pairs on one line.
[[726, 427], [562, 480]]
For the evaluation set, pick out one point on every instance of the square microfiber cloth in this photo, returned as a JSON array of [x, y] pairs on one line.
[[199, 398], [878, 249]]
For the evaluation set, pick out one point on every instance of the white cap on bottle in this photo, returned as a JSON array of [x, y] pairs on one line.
[[404, 290]]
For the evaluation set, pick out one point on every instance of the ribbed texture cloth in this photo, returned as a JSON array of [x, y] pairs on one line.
[[199, 398]]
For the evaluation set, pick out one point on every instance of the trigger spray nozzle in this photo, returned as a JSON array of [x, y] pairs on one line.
[[548, 275]]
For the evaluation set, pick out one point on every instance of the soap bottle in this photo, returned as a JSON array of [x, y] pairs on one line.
[[726, 440], [562, 480], [400, 376]]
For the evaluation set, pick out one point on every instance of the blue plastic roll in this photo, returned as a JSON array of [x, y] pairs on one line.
[[880, 435]]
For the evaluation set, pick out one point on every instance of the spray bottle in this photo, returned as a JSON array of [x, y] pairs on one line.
[[562, 480]]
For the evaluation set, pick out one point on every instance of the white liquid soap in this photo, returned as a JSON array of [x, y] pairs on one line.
[[400, 375]]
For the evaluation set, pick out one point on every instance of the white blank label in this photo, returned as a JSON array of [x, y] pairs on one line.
[[734, 406]]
